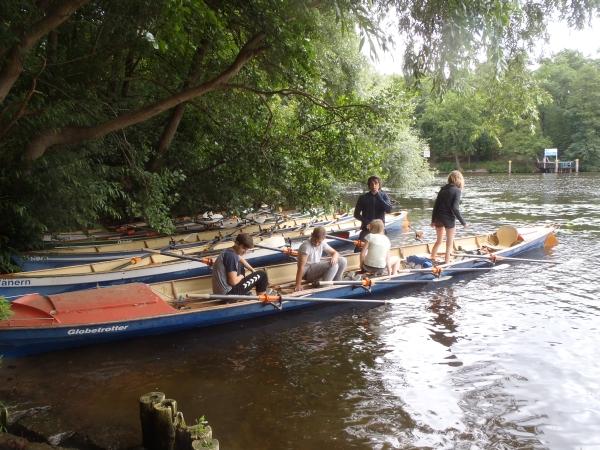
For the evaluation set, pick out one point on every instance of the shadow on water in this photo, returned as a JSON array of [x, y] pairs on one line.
[[500, 360]]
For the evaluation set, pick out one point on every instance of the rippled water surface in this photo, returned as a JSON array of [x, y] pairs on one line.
[[502, 360]]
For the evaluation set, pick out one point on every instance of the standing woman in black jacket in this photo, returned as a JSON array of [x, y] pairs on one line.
[[445, 212]]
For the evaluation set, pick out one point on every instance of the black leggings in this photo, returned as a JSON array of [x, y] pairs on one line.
[[256, 279]]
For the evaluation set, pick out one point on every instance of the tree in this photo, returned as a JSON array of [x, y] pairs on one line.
[[572, 121]]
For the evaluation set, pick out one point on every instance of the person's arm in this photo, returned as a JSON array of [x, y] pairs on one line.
[[363, 254], [246, 265], [233, 278], [302, 258], [387, 262], [334, 255], [455, 207], [358, 209], [436, 206], [384, 201]]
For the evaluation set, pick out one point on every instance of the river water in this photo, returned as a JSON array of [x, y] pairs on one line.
[[502, 360]]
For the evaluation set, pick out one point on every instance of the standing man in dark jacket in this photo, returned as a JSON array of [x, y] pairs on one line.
[[370, 206]]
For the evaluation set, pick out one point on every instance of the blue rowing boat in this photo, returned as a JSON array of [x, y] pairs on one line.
[[71, 256], [52, 322]]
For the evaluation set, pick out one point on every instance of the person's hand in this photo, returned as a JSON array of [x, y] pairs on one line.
[[299, 287], [334, 259], [467, 225]]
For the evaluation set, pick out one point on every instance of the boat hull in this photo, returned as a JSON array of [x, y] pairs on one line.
[[34, 261]]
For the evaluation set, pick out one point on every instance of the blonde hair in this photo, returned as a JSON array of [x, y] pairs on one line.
[[376, 226], [456, 178]]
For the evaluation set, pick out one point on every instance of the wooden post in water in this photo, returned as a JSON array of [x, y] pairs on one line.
[[509, 166], [556, 165], [164, 428], [577, 166]]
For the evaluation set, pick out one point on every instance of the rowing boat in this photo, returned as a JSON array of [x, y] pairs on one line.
[[65, 257], [45, 323], [135, 268], [139, 231]]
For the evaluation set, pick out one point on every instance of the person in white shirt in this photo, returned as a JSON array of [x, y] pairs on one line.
[[311, 268], [375, 255]]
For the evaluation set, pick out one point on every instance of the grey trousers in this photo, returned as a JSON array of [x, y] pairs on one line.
[[323, 271]]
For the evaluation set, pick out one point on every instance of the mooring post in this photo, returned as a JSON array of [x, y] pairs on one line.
[[164, 428], [147, 403], [556, 165], [577, 166], [509, 166]]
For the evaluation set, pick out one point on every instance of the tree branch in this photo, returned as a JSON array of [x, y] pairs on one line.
[[71, 135], [14, 67]]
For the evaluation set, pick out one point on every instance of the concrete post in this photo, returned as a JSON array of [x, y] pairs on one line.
[[509, 166], [577, 166], [556, 165]]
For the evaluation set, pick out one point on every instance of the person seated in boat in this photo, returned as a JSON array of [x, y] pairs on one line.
[[375, 255], [311, 268], [228, 275]]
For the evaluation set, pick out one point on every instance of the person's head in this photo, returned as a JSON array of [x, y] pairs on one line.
[[456, 179], [318, 236], [244, 242], [376, 226], [374, 183]]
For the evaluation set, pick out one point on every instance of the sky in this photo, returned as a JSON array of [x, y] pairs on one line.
[[561, 37]]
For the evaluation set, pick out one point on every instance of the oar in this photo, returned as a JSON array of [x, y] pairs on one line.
[[207, 261], [265, 298], [418, 234], [493, 257], [357, 242], [437, 270], [368, 282], [138, 259], [287, 251]]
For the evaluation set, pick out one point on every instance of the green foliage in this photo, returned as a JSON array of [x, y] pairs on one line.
[[572, 122], [284, 110]]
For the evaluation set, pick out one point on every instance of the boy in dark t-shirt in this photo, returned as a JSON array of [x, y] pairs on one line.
[[228, 271]]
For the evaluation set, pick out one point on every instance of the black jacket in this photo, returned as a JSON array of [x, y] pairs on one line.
[[370, 207], [446, 204]]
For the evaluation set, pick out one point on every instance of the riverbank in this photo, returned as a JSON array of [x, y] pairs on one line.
[[47, 427]]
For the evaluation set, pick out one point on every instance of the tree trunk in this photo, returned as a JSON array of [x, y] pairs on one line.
[[457, 162], [157, 159]]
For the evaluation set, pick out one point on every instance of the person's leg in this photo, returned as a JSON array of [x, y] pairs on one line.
[[395, 263], [323, 271], [439, 231], [257, 279], [317, 271], [450, 232], [341, 268]]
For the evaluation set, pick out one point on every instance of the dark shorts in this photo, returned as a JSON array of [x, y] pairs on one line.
[[374, 269], [445, 223]]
